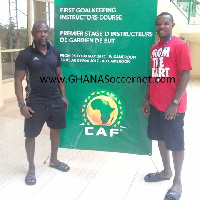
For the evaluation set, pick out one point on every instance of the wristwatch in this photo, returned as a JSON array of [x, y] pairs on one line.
[[175, 101], [21, 105]]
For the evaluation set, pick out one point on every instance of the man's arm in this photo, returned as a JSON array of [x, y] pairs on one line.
[[19, 76], [145, 106], [61, 86], [171, 110]]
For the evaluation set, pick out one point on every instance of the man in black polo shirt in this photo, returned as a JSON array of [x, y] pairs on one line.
[[43, 102]]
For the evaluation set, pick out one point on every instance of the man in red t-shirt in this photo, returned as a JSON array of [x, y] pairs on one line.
[[170, 67]]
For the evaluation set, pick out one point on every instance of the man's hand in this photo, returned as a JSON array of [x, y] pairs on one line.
[[66, 102], [145, 107], [171, 111], [26, 111]]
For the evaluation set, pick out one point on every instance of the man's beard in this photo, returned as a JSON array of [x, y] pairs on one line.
[[42, 44]]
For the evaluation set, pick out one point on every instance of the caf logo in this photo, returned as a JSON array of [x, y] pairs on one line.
[[102, 108]]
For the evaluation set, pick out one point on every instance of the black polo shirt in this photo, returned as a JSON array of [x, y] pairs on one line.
[[37, 65]]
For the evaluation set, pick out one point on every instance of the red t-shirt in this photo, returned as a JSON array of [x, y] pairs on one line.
[[175, 57]]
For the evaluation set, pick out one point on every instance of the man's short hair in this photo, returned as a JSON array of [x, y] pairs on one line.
[[165, 13], [39, 23]]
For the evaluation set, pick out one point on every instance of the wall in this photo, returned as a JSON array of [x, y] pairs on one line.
[[9, 89], [1, 88], [195, 50]]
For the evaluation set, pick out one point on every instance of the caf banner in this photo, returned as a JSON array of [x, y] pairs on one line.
[[105, 52]]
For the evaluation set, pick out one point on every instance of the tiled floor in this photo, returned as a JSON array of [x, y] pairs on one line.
[[94, 175]]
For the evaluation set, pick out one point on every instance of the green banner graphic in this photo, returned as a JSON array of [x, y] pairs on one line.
[[105, 53]]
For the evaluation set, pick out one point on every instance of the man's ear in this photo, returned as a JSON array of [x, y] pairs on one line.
[[173, 25]]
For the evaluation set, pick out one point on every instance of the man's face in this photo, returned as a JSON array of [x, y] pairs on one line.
[[40, 34], [164, 26]]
